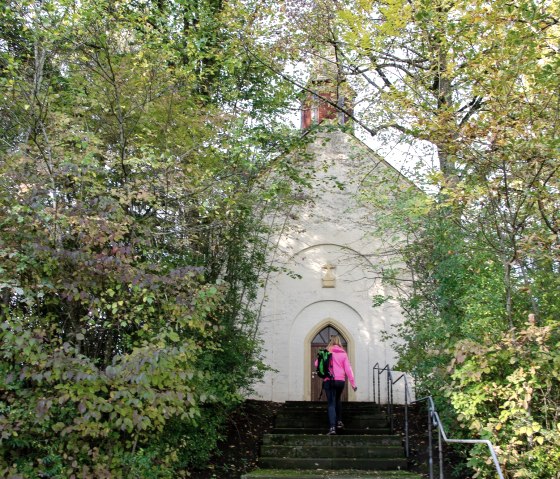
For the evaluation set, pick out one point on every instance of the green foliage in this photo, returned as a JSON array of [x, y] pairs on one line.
[[507, 390], [135, 168]]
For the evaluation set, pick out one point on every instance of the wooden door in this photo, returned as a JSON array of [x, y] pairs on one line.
[[320, 342]]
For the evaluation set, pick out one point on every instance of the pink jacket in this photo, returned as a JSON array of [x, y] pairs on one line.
[[341, 365]]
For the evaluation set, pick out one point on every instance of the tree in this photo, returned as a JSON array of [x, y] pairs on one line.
[[138, 140]]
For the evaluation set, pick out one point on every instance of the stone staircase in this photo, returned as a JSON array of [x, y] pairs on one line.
[[298, 446]]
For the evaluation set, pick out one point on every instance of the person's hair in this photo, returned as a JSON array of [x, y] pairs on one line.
[[335, 340]]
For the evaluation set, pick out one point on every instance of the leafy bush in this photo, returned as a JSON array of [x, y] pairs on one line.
[[132, 242], [507, 390]]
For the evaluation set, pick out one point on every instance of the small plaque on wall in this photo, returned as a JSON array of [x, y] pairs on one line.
[[329, 279]]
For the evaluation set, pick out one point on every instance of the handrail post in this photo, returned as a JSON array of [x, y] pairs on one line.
[[379, 385], [388, 387], [430, 450], [392, 408], [440, 455], [389, 405], [373, 373], [406, 418]]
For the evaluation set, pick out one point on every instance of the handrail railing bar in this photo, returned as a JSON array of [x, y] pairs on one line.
[[406, 392], [378, 398], [376, 380], [434, 416], [379, 373], [433, 420]]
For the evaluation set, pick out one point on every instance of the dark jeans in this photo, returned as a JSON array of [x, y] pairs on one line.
[[333, 390]]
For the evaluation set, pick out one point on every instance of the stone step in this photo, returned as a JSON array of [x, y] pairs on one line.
[[325, 440], [298, 446], [351, 421], [324, 401], [321, 405], [340, 474], [370, 463], [337, 451], [291, 412], [298, 414], [324, 430]]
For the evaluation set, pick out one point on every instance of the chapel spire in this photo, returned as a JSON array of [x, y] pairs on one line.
[[329, 86]]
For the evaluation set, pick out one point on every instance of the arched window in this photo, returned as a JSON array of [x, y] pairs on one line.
[[323, 337]]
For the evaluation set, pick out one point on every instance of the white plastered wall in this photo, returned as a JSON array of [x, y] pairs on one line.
[[332, 229]]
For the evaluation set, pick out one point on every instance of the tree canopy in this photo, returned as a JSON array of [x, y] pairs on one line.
[[142, 144], [137, 144]]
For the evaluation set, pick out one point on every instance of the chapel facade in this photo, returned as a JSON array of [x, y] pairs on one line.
[[329, 264]]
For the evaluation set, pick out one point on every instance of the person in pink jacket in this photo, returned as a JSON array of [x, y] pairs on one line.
[[340, 369]]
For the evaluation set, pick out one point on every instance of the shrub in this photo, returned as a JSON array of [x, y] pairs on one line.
[[507, 390]]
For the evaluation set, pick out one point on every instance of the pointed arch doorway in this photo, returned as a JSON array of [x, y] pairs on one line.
[[320, 341]]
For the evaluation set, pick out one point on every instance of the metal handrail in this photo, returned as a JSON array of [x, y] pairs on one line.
[[390, 398], [406, 398], [379, 373], [433, 419]]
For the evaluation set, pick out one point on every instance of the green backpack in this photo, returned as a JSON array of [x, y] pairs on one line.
[[324, 364]]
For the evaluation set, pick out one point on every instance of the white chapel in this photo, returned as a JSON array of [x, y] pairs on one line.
[[329, 264]]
